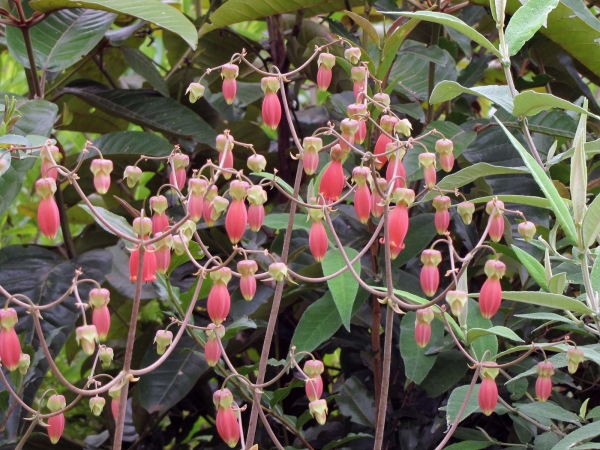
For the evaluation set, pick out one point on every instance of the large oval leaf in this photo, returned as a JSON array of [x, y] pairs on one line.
[[154, 11]]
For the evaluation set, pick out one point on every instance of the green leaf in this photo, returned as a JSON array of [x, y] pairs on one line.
[[236, 11], [557, 283], [586, 432], [525, 22], [545, 316], [540, 202], [472, 173], [357, 403], [504, 332], [547, 410], [344, 287], [61, 39], [554, 122], [421, 231], [595, 275], [547, 187], [166, 385], [279, 221], [281, 394], [286, 187], [484, 343], [456, 400], [349, 437], [132, 143], [535, 269], [447, 90], [144, 66], [5, 156], [455, 23], [416, 363], [529, 103], [153, 11], [554, 301], [114, 220], [578, 180], [470, 445], [393, 43], [145, 108], [365, 25], [449, 368], [591, 223]]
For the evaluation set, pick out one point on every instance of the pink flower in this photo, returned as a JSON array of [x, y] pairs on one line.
[[318, 243]]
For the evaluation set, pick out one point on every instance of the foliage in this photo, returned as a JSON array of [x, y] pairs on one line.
[[144, 84]]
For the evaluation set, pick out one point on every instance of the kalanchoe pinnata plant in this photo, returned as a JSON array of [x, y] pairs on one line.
[[277, 218]]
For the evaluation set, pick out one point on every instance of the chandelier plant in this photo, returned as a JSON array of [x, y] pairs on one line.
[[361, 165]]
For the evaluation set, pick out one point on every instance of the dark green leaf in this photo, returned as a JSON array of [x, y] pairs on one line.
[[357, 403], [132, 143], [547, 410], [344, 287], [146, 108], [154, 11], [416, 363], [162, 388], [449, 368], [144, 66]]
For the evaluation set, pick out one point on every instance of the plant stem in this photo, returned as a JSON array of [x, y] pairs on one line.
[[461, 411], [120, 423], [262, 367], [29, 47], [435, 34], [375, 326]]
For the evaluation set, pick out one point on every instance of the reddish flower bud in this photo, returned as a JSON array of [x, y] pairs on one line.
[[219, 301], [358, 112], [318, 241], [208, 209], [236, 220], [382, 101], [488, 396], [10, 348], [543, 385], [148, 269], [196, 191], [212, 352], [441, 203], [358, 76], [178, 176], [313, 368], [318, 409], [229, 73], [56, 427], [574, 358], [348, 127], [247, 268], [101, 320], [495, 208], [223, 398], [256, 211], [427, 162], [377, 206], [333, 181], [114, 408], [395, 169], [430, 275], [50, 155], [445, 148], [310, 156], [160, 223], [271, 110], [324, 76], [163, 253], [163, 339], [256, 163], [132, 174], [380, 147], [227, 426], [314, 388], [48, 217], [226, 160], [398, 228], [101, 168], [527, 230], [490, 297], [447, 161], [87, 335], [422, 334], [465, 211]]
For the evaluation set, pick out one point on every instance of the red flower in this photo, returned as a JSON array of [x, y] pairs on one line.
[[227, 426], [236, 220], [314, 388], [56, 427], [212, 352], [271, 110], [333, 181], [488, 396], [101, 320], [317, 240]]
